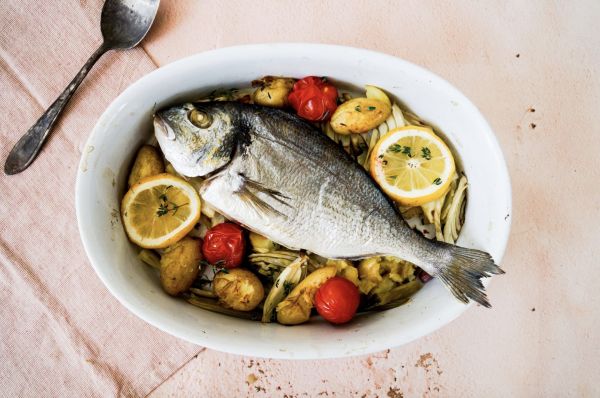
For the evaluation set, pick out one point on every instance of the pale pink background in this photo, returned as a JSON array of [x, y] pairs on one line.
[[530, 67]]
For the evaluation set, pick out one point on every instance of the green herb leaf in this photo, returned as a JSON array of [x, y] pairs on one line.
[[437, 181], [357, 108], [396, 148], [163, 209], [287, 287], [372, 108], [406, 151], [426, 153]]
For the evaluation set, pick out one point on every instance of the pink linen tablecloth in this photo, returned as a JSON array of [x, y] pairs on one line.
[[62, 333], [532, 69]]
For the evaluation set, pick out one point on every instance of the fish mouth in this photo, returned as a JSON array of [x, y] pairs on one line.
[[163, 128], [184, 161]]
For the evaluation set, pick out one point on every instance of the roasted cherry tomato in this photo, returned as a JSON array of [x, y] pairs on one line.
[[424, 276], [314, 98], [337, 300], [224, 245]]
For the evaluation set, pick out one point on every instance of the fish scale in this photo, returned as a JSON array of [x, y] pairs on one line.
[[283, 178]]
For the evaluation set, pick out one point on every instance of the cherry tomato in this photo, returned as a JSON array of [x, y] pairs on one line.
[[424, 276], [225, 245], [314, 98], [337, 300]]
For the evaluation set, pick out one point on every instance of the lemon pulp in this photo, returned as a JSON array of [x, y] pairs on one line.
[[412, 165]]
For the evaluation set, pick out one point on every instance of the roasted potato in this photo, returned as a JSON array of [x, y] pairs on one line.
[[148, 162], [369, 274], [345, 269], [179, 265], [359, 115], [238, 289], [272, 91], [296, 307], [382, 273]]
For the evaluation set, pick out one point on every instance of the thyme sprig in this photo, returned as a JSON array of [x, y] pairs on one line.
[[166, 205]]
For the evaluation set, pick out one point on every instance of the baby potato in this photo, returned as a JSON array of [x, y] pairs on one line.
[[179, 265], [148, 162], [296, 307], [359, 115], [272, 91], [238, 289]]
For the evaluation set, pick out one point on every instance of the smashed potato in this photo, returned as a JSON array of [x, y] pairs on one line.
[[345, 269], [377, 274], [179, 265], [148, 162], [296, 307], [359, 115], [272, 91], [238, 289]]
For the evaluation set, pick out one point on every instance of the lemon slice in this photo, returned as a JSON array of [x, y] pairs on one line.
[[412, 165], [160, 210]]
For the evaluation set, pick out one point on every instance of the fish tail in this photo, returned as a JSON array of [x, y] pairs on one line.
[[463, 272]]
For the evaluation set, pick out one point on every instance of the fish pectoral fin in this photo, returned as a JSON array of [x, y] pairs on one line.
[[260, 206], [247, 192], [273, 193]]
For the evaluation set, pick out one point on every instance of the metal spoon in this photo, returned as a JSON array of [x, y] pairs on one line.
[[124, 23]]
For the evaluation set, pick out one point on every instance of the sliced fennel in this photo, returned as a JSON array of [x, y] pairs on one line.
[[285, 282]]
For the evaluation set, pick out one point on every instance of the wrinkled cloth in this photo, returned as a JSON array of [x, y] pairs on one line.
[[61, 331]]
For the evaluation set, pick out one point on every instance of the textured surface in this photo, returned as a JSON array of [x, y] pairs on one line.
[[531, 68]]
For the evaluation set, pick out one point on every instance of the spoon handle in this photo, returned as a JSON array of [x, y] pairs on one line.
[[27, 148]]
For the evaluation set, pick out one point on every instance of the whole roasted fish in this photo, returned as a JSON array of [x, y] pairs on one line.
[[283, 178]]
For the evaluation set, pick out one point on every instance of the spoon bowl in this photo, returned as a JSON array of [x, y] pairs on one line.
[[124, 23]]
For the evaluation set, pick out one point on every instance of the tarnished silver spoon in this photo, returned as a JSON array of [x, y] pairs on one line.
[[124, 23]]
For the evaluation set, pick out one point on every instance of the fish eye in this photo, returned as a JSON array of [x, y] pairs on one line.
[[199, 118]]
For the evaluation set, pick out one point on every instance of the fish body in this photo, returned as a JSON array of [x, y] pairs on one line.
[[283, 178]]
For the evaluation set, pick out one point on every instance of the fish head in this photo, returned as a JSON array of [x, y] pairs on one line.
[[196, 138]]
